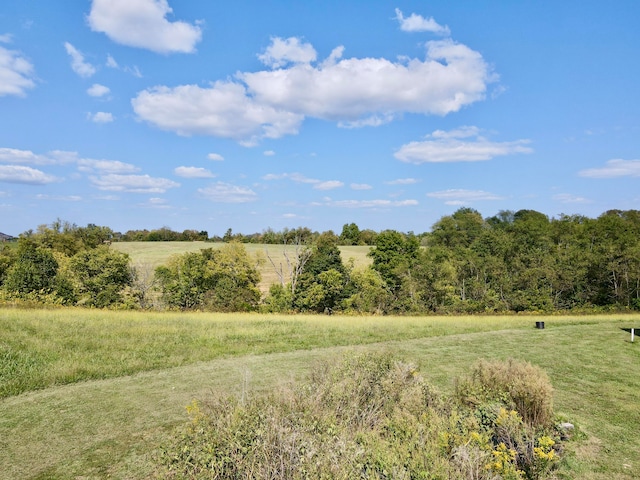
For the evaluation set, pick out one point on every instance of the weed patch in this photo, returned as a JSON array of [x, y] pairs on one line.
[[369, 416]]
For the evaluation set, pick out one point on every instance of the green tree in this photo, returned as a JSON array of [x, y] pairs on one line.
[[7, 258], [34, 270], [394, 256], [370, 294], [350, 234], [101, 274], [225, 279], [324, 280], [185, 280]]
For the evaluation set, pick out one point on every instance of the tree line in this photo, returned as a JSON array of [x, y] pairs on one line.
[[511, 262]]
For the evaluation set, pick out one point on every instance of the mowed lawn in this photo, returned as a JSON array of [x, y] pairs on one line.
[[147, 256], [93, 394]]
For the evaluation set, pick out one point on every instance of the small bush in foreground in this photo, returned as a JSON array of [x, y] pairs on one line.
[[370, 416]]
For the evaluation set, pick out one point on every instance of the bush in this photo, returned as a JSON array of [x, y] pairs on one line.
[[370, 416], [519, 385]]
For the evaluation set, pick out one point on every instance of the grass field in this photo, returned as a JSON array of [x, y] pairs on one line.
[[149, 255], [101, 390]]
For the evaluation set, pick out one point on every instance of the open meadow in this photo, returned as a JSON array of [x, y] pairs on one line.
[[93, 394], [147, 256]]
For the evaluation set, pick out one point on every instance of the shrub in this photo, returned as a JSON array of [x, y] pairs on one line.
[[519, 385], [369, 416]]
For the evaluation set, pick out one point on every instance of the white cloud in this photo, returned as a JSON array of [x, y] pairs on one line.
[[6, 38], [97, 90], [417, 23], [372, 121], [360, 186], [89, 165], [133, 183], [13, 155], [450, 146], [285, 51], [223, 110], [295, 177], [370, 203], [227, 193], [78, 64], [353, 92], [111, 62], [463, 197], [101, 117], [193, 172], [451, 76], [403, 181], [268, 153], [216, 157], [569, 198], [329, 185], [613, 169], [60, 198], [143, 24], [22, 174], [16, 73]]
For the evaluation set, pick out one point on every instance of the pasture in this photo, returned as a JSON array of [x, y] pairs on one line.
[[93, 394], [147, 256]]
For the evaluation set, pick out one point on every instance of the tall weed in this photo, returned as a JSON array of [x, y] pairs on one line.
[[370, 416]]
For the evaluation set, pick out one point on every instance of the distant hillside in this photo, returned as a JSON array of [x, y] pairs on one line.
[[6, 238]]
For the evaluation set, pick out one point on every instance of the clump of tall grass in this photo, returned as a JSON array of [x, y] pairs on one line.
[[368, 416], [523, 387]]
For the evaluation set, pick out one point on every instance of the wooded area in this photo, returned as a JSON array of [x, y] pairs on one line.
[[511, 262]]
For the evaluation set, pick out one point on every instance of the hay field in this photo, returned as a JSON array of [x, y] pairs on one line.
[[146, 256]]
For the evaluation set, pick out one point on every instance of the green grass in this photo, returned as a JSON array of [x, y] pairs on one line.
[[130, 375], [149, 255]]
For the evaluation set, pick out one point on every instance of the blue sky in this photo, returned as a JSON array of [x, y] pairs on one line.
[[251, 114]]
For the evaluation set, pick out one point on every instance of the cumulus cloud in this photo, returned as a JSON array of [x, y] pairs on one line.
[[328, 185], [462, 145], [285, 51], [569, 198], [463, 197], [451, 76], [403, 181], [294, 177], [193, 172], [16, 72], [360, 186], [59, 198], [370, 203], [97, 90], [157, 203], [227, 193], [223, 110], [132, 183], [14, 155], [614, 169], [417, 23], [22, 174], [268, 153], [216, 157], [101, 117], [78, 63], [143, 24], [89, 165], [354, 92]]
